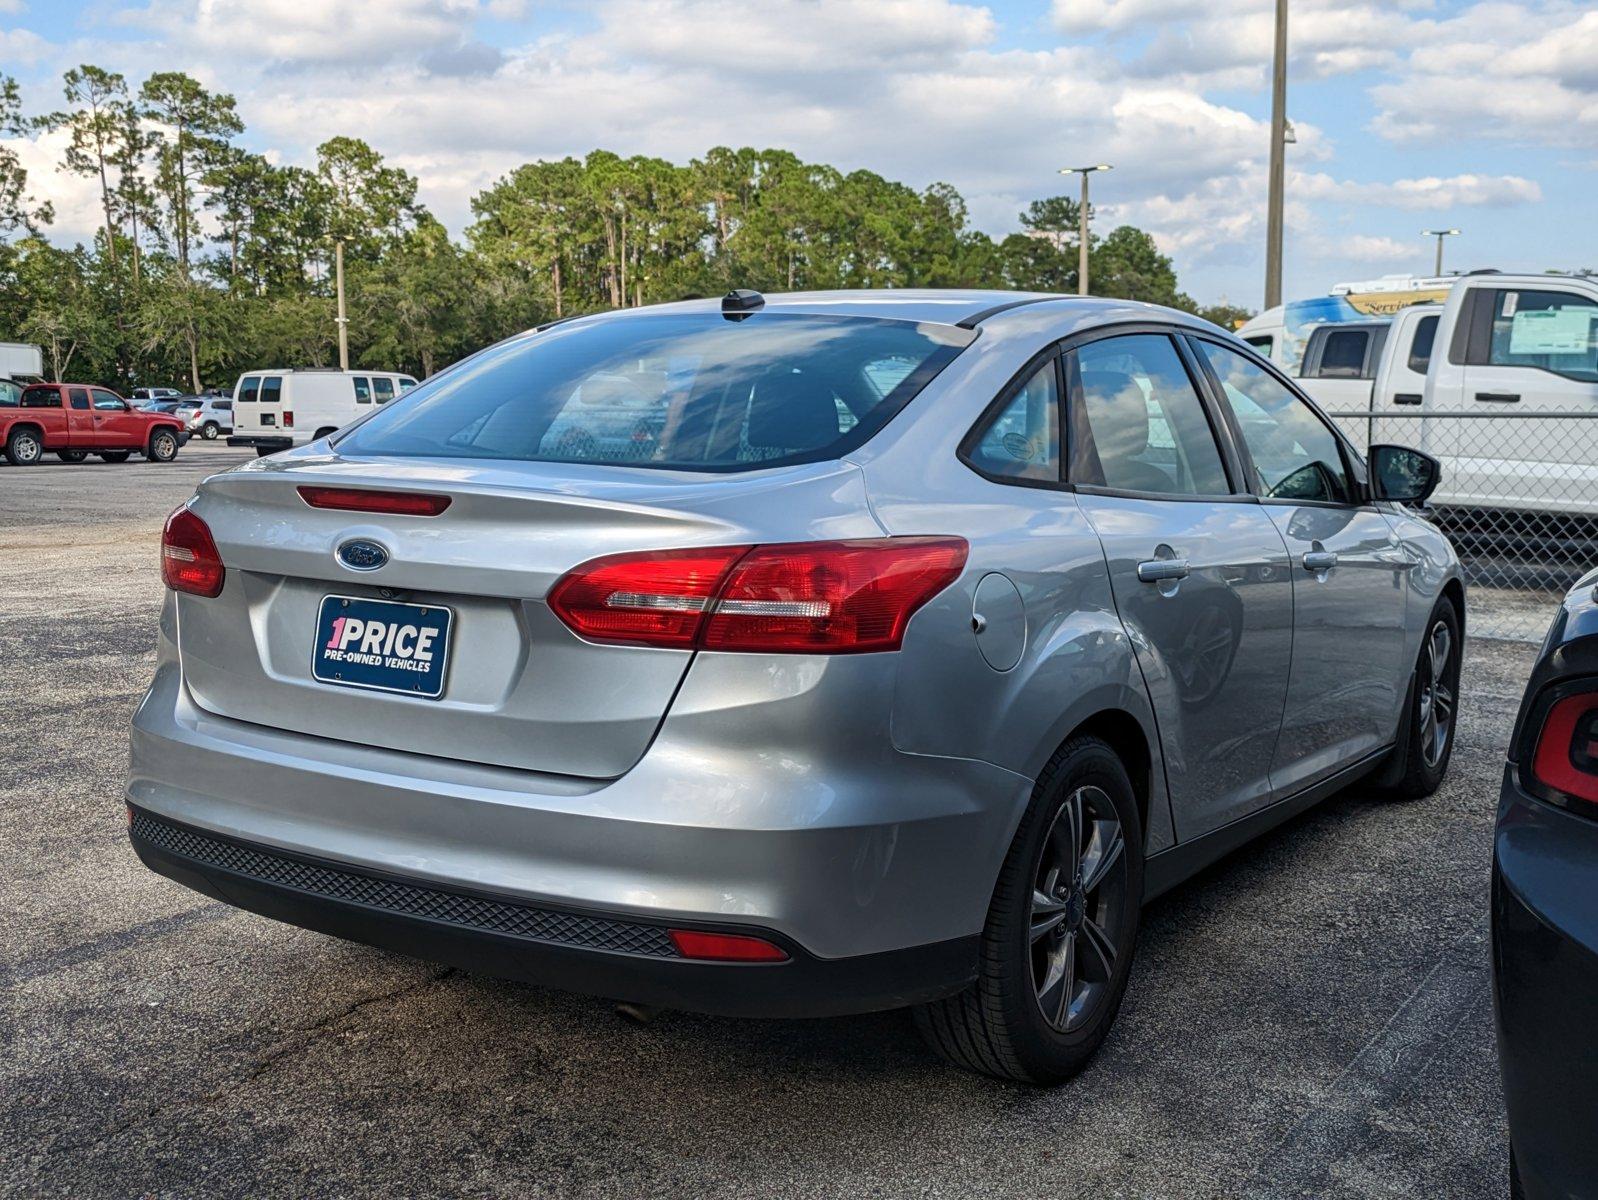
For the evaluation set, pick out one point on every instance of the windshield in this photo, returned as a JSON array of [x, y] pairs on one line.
[[696, 392]]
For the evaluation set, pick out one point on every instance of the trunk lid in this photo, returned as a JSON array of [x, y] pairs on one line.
[[521, 689]]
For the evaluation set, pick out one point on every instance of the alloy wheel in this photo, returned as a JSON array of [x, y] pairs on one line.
[[1078, 908], [1437, 702], [28, 447]]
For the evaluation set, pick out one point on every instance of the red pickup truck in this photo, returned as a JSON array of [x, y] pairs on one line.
[[74, 420]]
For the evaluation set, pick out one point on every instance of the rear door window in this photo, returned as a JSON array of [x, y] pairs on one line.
[[363, 389], [1343, 354], [382, 389], [78, 400], [249, 388], [271, 389], [1143, 427], [1420, 349], [679, 391]]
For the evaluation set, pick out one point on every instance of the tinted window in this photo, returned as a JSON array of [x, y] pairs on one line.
[[271, 389], [1262, 344], [688, 391], [1144, 426], [1296, 456], [406, 383], [78, 400], [1557, 331], [1420, 350], [1023, 440], [249, 387], [363, 389], [1343, 354], [382, 389], [223, 406], [41, 397]]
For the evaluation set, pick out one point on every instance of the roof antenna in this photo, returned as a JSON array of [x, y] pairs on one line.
[[740, 303]]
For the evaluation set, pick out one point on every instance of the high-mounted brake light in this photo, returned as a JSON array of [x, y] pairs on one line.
[[408, 504], [725, 947], [1566, 757], [189, 559], [799, 598]]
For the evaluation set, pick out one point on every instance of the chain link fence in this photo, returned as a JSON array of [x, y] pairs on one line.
[[1518, 499]]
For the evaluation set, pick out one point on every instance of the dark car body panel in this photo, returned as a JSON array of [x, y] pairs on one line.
[[1545, 938]]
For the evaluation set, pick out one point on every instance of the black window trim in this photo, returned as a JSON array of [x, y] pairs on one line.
[[1353, 462], [995, 409]]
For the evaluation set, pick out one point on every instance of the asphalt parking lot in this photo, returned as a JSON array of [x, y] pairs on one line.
[[1310, 1018]]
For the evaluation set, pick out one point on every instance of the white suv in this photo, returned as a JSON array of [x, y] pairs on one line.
[[207, 416]]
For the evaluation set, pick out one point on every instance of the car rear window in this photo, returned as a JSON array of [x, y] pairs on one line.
[[684, 391], [41, 397]]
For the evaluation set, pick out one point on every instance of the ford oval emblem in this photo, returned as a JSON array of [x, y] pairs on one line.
[[358, 554]]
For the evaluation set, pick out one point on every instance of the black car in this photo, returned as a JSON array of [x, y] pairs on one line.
[[1545, 918]]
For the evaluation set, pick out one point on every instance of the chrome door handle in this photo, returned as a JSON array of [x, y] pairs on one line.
[[1158, 570], [1319, 560]]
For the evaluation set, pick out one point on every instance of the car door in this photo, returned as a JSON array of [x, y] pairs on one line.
[[1350, 665], [1197, 568], [117, 426], [80, 418]]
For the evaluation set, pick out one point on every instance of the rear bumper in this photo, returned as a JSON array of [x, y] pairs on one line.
[[874, 868], [621, 958], [1545, 984], [271, 443]]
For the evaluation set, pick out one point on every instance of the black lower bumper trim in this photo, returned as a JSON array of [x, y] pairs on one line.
[[260, 442], [619, 957]]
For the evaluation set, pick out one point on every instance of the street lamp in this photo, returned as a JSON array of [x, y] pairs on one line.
[[1439, 234], [1082, 223]]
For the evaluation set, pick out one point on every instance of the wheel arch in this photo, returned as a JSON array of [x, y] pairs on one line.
[[325, 431], [1454, 592], [16, 425], [1124, 734]]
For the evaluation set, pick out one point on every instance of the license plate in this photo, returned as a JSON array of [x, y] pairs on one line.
[[382, 645]]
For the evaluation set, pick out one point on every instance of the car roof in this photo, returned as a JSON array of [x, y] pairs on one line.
[[949, 306]]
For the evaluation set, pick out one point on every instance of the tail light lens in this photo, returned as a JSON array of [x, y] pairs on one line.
[[801, 598], [1565, 760], [189, 559], [725, 947], [288, 419]]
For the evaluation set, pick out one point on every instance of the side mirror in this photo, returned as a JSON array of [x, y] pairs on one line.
[[1401, 474]]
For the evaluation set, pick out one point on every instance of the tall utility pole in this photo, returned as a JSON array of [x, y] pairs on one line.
[[1439, 234], [343, 322], [1273, 219], [1082, 224]]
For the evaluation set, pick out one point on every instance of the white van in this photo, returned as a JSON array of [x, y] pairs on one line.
[[275, 410]]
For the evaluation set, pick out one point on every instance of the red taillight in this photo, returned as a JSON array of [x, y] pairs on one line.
[[655, 599], [189, 559], [800, 598], [288, 419], [408, 504], [1566, 758], [725, 947]]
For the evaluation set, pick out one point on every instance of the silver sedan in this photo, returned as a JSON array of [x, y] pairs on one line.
[[796, 655]]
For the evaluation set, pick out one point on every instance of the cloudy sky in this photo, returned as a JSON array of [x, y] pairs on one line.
[[1409, 113]]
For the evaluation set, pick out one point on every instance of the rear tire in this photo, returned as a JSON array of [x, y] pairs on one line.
[[1421, 761], [115, 456], [209, 431], [24, 448], [1057, 947], [163, 446], [72, 456], [262, 452]]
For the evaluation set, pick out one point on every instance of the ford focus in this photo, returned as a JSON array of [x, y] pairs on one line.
[[796, 655]]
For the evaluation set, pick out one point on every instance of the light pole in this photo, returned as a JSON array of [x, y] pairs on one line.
[[1273, 215], [1439, 234], [341, 320], [1082, 223]]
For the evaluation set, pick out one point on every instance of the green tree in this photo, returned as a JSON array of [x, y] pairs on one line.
[[195, 129], [95, 123], [18, 211], [1128, 264]]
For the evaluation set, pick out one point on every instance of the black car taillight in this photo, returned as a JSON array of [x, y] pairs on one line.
[[1564, 758]]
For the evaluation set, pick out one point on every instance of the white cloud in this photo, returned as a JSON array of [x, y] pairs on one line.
[[1430, 193]]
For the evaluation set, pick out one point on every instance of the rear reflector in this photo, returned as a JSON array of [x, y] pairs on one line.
[[408, 504], [189, 559], [725, 947], [798, 598], [1566, 758]]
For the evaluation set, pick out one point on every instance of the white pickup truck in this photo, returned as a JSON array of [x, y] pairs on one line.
[[1499, 382]]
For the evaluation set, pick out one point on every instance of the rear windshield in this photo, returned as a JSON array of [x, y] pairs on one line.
[[692, 392]]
